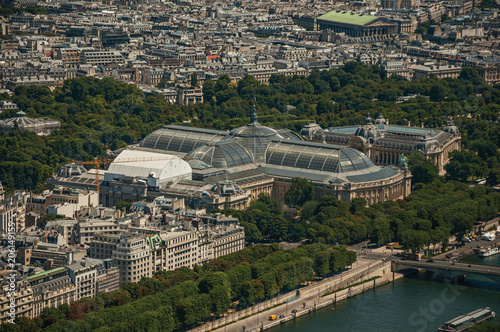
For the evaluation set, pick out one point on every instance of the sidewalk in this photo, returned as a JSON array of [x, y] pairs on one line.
[[256, 317]]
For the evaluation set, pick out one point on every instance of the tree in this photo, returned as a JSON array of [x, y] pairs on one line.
[[464, 164], [300, 192], [357, 204], [485, 148], [422, 169], [252, 232], [437, 93], [208, 90], [414, 240], [194, 79], [123, 204], [322, 263], [382, 232]]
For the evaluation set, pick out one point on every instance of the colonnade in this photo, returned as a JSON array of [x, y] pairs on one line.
[[387, 158], [361, 31]]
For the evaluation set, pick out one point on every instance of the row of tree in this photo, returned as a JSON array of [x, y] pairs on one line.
[[174, 300]]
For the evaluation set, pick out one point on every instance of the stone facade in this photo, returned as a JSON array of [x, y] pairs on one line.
[[385, 144]]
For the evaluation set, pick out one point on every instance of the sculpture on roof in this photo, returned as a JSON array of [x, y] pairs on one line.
[[403, 161]]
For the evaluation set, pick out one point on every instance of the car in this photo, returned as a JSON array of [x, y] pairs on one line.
[[430, 261], [294, 311], [282, 316], [480, 246], [470, 265], [452, 263]]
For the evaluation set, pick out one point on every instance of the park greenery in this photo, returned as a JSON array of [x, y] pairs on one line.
[[179, 299], [35, 10], [101, 114]]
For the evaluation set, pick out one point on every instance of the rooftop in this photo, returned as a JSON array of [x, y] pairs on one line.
[[47, 273]]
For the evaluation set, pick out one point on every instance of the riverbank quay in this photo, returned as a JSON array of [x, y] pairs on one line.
[[305, 300]]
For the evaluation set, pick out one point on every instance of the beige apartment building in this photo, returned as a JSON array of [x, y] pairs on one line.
[[421, 72], [51, 288], [83, 274], [133, 257], [23, 298]]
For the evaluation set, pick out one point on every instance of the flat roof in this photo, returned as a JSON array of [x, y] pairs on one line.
[[347, 18]]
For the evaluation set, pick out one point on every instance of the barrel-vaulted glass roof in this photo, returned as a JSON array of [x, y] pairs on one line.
[[316, 156], [181, 138]]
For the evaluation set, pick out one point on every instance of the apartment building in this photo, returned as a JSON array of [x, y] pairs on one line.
[[7, 215], [153, 76], [167, 250], [23, 298], [181, 249], [263, 75], [187, 95], [396, 67], [69, 56], [54, 255], [63, 229], [83, 274], [51, 288], [108, 275], [228, 239], [84, 231], [292, 53], [73, 196], [37, 204], [133, 257], [439, 71], [103, 245], [391, 4], [68, 202], [100, 57]]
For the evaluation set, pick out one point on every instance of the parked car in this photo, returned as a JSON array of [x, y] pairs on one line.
[[430, 261]]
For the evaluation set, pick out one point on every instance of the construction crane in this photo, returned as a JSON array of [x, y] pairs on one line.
[[97, 162]]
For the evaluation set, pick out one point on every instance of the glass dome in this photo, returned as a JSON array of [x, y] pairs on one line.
[[255, 138], [223, 154], [71, 170]]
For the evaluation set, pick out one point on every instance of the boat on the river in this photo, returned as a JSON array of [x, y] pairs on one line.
[[489, 252], [463, 322]]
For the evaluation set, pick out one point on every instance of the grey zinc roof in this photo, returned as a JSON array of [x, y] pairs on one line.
[[293, 173], [378, 175]]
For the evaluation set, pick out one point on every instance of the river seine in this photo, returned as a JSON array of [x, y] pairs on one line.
[[411, 304]]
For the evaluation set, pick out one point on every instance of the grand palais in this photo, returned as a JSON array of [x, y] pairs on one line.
[[228, 169]]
